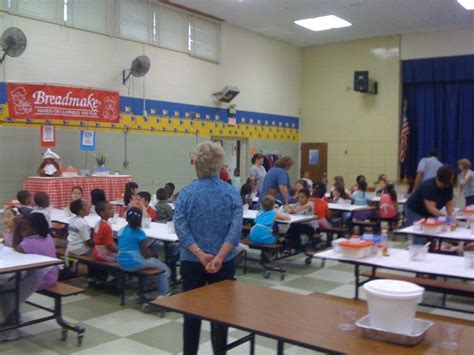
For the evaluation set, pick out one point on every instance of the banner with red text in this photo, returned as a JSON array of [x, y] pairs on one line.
[[33, 101]]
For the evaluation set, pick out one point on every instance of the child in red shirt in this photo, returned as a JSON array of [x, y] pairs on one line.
[[105, 248], [143, 202], [321, 208], [388, 203]]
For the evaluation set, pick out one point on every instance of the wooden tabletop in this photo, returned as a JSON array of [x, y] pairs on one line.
[[354, 343], [307, 321]]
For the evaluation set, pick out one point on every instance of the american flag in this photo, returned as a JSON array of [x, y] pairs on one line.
[[404, 133]]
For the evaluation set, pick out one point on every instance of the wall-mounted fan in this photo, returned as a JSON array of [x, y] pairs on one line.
[[13, 43], [139, 68]]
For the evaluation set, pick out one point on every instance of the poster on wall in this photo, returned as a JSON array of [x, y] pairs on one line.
[[48, 136], [313, 158], [33, 101], [88, 141]]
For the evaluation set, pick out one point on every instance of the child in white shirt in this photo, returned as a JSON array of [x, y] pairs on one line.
[[79, 231]]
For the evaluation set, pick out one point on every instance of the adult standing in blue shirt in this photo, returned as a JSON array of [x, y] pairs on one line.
[[427, 168], [277, 179], [208, 222]]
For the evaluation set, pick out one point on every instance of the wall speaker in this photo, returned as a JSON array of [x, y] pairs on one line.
[[362, 82]]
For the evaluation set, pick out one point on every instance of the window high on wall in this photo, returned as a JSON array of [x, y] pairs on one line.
[[145, 21]]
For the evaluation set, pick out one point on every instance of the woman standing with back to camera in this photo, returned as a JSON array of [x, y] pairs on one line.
[[208, 222]]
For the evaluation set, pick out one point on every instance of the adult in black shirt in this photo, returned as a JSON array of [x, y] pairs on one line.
[[432, 195]]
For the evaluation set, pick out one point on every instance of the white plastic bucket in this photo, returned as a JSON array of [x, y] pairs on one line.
[[392, 304]]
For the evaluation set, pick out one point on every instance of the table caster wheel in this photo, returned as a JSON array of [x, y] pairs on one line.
[[267, 274], [80, 338], [308, 260], [64, 334], [282, 277]]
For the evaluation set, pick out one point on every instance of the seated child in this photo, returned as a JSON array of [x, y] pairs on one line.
[[163, 209], [134, 253], [361, 198], [42, 206], [321, 207], [76, 193], [246, 195], [79, 232], [252, 181], [340, 196], [307, 177], [131, 190], [382, 184], [9, 216], [339, 181], [388, 207], [294, 191], [97, 195], [25, 198], [31, 237], [262, 231], [236, 180], [302, 207], [359, 178], [143, 199], [105, 248], [170, 188]]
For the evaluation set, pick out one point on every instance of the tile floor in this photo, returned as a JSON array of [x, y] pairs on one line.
[[112, 329]]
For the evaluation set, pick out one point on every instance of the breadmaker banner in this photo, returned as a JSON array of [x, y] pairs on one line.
[[33, 101]]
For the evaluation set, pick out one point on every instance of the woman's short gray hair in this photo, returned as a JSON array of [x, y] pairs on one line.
[[208, 159]]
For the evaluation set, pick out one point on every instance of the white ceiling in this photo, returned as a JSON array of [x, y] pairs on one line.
[[369, 18]]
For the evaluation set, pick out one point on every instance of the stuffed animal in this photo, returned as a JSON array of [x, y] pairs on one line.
[[49, 167]]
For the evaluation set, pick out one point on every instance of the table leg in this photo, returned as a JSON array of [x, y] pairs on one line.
[[356, 274], [17, 297], [280, 347]]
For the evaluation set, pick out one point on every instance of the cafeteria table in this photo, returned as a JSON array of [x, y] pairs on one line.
[[398, 259], [460, 234], [157, 231], [306, 321], [13, 262]]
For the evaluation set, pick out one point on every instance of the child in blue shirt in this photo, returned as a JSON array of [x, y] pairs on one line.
[[360, 197], [134, 253], [262, 231]]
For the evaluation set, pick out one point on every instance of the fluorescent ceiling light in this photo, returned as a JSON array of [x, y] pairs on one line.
[[323, 23], [467, 4]]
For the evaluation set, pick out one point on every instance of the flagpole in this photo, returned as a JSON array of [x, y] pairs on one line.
[[404, 115]]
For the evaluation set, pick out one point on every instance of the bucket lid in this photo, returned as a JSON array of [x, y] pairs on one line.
[[393, 289]]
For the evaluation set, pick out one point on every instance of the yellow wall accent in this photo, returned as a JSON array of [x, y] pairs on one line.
[[361, 130], [154, 124]]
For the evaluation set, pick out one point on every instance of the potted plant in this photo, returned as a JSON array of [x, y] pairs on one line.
[[101, 160]]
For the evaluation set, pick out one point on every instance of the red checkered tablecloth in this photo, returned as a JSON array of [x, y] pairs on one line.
[[59, 188]]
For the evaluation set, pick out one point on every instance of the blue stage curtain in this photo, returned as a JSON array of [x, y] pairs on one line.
[[440, 111]]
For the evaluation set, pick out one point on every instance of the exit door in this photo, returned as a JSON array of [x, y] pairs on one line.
[[314, 158]]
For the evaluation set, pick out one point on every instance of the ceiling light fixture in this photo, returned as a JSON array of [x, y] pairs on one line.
[[467, 4], [323, 23]]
